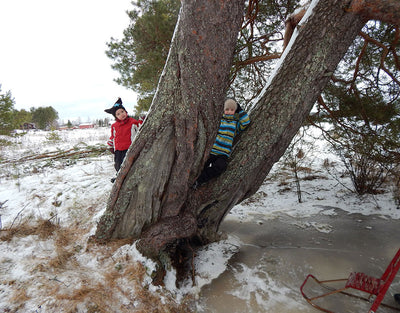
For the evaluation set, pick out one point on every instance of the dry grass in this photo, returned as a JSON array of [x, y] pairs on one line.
[[122, 277], [43, 229], [64, 237], [61, 259], [95, 297], [20, 296], [128, 283]]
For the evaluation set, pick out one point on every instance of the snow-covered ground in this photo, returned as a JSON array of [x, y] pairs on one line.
[[49, 208]]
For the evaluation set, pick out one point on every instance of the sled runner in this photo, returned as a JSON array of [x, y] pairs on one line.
[[374, 288]]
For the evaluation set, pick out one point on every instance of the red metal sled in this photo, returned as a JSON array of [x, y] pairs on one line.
[[359, 281]]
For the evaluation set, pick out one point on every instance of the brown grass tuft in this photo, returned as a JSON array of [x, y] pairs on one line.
[[43, 229], [20, 296], [64, 237], [135, 272], [62, 258], [97, 298], [111, 278], [21, 231]]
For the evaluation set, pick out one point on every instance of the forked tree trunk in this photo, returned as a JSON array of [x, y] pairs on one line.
[[173, 143], [151, 199]]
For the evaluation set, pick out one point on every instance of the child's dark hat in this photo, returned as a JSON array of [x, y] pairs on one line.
[[117, 105]]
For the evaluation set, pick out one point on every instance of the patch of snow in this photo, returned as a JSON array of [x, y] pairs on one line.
[[74, 195]]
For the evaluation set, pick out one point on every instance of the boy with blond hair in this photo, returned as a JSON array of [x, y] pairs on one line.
[[234, 120]]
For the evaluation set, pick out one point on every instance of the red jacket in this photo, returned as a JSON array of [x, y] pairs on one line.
[[122, 133]]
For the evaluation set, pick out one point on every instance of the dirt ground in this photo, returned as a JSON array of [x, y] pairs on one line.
[[281, 252]]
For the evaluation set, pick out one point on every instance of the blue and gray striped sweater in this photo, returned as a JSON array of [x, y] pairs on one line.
[[230, 126]]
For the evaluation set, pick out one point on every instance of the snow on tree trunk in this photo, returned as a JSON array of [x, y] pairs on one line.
[[151, 198]]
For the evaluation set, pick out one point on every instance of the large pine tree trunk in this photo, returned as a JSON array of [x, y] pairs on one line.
[[152, 199], [174, 142]]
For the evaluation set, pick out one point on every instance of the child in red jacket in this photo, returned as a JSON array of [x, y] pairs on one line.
[[123, 132]]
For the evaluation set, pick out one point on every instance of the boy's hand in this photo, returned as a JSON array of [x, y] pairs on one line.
[[238, 109]]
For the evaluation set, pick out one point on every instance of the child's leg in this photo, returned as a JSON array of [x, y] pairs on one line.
[[214, 167], [220, 164], [119, 158]]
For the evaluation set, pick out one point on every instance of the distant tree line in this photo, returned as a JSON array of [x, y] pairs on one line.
[[11, 118], [102, 122], [45, 118]]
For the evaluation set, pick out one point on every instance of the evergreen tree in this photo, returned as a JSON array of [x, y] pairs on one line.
[[22, 117], [8, 121], [140, 56], [44, 117]]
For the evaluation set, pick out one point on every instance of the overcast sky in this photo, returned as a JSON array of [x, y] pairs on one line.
[[53, 54]]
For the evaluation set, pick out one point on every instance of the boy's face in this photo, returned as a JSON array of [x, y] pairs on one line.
[[121, 114], [229, 111]]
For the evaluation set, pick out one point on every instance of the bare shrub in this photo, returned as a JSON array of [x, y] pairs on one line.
[[396, 188], [297, 158], [366, 159]]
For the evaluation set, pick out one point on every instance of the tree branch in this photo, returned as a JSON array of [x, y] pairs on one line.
[[386, 11], [258, 58], [385, 52]]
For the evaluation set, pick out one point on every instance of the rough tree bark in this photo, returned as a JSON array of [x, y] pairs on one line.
[[173, 143], [151, 199]]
